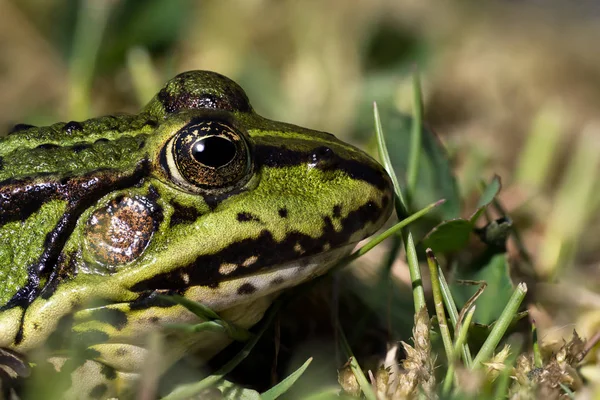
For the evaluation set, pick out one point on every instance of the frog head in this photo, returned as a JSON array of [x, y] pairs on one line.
[[197, 195]]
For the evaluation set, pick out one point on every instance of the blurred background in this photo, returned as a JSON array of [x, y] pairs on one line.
[[509, 88]]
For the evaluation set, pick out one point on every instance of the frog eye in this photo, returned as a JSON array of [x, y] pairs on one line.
[[208, 155]]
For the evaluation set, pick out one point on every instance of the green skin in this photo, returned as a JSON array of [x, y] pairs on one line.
[[98, 217]]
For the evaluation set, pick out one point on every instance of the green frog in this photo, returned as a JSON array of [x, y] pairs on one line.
[[198, 196]]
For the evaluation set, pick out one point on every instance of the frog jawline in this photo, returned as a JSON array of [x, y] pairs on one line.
[[250, 287]]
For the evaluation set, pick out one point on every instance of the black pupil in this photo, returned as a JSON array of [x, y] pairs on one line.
[[213, 151]]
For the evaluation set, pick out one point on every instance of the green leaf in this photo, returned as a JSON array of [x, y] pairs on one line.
[[488, 195], [285, 384], [490, 192], [449, 236], [478, 333], [499, 289]]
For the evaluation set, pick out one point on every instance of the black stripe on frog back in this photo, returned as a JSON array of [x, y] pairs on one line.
[[20, 199]]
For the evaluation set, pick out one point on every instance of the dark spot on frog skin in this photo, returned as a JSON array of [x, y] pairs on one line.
[[101, 140], [151, 123], [111, 316], [98, 391], [79, 147], [151, 299], [20, 127], [246, 288], [337, 211], [277, 281], [108, 372], [154, 320], [72, 127], [121, 351], [1, 163], [182, 214], [47, 146], [247, 217], [142, 144], [283, 212], [212, 202]]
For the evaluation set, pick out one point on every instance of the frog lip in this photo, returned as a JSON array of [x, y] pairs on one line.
[[253, 255], [246, 288]]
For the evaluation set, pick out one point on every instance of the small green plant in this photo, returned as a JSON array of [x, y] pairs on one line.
[[511, 371]]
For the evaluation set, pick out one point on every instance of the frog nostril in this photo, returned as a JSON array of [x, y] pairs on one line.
[[323, 157]]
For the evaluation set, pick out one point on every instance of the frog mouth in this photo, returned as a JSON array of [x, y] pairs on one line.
[[246, 288], [253, 256]]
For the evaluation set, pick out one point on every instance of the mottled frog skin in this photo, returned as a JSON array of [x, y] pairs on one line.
[[196, 195]]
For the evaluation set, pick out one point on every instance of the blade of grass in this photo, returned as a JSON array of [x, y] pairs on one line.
[[212, 322], [453, 313], [461, 339], [199, 309], [89, 29], [285, 384], [542, 143], [392, 230], [364, 384], [463, 331], [439, 306], [187, 391], [213, 326], [402, 211], [412, 171], [411, 253], [570, 394], [537, 354], [482, 285], [501, 325], [143, 74], [415, 274]]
